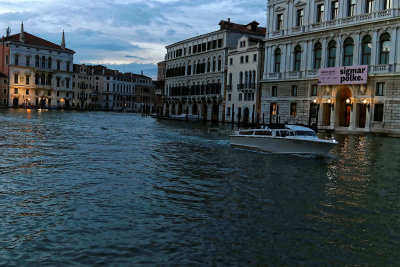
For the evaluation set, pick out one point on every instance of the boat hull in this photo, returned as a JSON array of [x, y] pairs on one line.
[[282, 145]]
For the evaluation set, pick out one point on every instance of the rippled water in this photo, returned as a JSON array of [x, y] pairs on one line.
[[118, 189]]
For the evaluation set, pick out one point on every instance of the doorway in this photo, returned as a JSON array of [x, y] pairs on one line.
[[344, 109], [361, 115]]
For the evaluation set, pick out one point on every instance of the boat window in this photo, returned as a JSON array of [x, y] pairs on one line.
[[306, 133], [246, 132], [269, 133], [284, 133]]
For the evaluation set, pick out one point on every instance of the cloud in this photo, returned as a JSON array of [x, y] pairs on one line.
[[107, 31]]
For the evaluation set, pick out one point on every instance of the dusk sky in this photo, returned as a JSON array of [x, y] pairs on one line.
[[128, 35]]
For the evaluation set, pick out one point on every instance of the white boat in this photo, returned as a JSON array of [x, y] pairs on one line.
[[291, 139], [184, 117]]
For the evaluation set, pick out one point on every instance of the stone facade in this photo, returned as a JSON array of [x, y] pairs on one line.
[[196, 75], [245, 68], [40, 71], [305, 36]]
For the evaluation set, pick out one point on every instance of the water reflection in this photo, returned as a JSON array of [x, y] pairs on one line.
[[119, 189]]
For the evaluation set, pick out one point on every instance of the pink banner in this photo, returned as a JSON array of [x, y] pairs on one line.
[[343, 75]]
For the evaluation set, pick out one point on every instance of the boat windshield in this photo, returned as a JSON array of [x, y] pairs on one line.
[[246, 132], [263, 132], [305, 133]]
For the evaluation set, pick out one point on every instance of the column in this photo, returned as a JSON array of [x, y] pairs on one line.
[[375, 48], [357, 50], [324, 53], [339, 48], [393, 45]]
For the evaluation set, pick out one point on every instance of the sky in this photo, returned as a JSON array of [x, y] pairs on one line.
[[127, 35]]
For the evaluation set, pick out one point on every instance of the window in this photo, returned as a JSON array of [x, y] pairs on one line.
[[16, 57], [241, 60], [294, 90], [277, 60], [317, 55], [229, 97], [58, 65], [37, 79], [348, 52], [380, 89], [240, 97], [279, 22], [27, 79], [366, 50], [331, 54], [43, 62], [254, 57], [28, 61], [351, 7], [49, 65], [231, 61], [6, 59], [369, 5], [334, 10], [274, 91], [297, 58], [219, 63], [247, 59], [228, 112], [300, 16], [293, 107], [220, 42], [314, 90], [16, 78], [378, 113], [15, 90], [386, 4], [43, 79], [67, 83], [27, 92], [384, 48], [58, 82], [320, 13]]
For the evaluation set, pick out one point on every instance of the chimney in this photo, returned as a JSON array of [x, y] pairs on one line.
[[22, 35], [141, 73], [229, 20], [63, 41]]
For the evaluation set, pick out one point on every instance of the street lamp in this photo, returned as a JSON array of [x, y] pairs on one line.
[[348, 102], [330, 102], [365, 102]]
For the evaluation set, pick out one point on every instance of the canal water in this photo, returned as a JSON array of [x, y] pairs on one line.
[[119, 189]]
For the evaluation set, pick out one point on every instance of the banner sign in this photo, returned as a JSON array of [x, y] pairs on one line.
[[343, 75]]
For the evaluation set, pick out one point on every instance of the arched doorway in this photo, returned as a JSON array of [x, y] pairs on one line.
[[42, 103], [204, 112], [180, 109], [344, 109], [187, 110], [215, 113], [173, 110], [194, 109], [15, 102], [166, 110], [246, 115]]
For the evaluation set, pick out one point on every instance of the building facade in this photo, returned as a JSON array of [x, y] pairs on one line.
[[196, 74], [40, 72], [306, 40], [3, 90], [245, 69]]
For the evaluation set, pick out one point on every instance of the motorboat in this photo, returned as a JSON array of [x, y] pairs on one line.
[[184, 117], [290, 139]]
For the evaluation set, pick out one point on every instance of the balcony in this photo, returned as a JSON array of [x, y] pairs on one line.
[[240, 86], [294, 74], [298, 29], [383, 68], [277, 33], [274, 75], [312, 73]]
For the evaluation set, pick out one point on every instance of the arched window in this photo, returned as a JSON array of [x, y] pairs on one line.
[[37, 61], [348, 52], [189, 68], [49, 63], [254, 79], [366, 50], [241, 78], [43, 79], [43, 62], [331, 54], [37, 78], [194, 67], [317, 55], [297, 58], [277, 60], [384, 48], [230, 79], [214, 63], [209, 65], [219, 63], [246, 79]]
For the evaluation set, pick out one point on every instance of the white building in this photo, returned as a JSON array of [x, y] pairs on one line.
[[196, 74], [245, 69], [40, 71], [305, 37]]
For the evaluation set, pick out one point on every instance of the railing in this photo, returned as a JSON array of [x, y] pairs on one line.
[[277, 33], [312, 72], [381, 68], [274, 75], [294, 74], [240, 86]]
